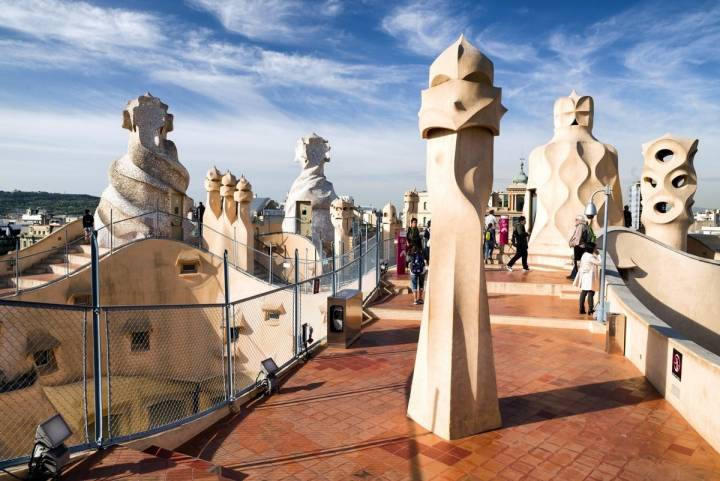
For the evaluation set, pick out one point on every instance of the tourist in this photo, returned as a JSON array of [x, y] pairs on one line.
[[426, 238], [490, 218], [413, 236], [587, 278], [199, 212], [627, 216], [520, 241], [490, 241], [417, 274], [88, 222], [577, 242]]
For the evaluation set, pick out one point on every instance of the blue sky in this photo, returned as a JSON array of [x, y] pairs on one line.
[[246, 78]]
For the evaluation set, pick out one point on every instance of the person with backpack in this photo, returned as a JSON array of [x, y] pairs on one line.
[[587, 278], [490, 242], [520, 241], [418, 269], [577, 242]]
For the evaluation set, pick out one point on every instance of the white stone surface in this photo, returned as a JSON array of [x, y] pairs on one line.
[[311, 185], [146, 177]]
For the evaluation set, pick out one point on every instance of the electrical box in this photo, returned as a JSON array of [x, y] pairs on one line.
[[344, 321]]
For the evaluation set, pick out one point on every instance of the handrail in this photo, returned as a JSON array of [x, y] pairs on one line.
[[105, 340]]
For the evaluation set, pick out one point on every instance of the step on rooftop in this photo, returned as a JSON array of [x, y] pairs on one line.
[[570, 412]]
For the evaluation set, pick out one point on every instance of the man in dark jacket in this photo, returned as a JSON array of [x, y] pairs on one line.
[[627, 216], [413, 236], [520, 241], [199, 212], [88, 224]]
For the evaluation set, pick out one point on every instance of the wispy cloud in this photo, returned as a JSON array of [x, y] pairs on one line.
[[425, 27], [80, 23], [270, 20]]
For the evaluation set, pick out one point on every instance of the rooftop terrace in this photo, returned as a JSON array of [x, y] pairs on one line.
[[570, 412]]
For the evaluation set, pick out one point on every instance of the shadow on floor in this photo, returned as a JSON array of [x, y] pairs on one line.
[[388, 337], [569, 401], [306, 387]]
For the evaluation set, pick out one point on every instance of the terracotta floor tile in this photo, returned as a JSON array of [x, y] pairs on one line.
[[570, 411]]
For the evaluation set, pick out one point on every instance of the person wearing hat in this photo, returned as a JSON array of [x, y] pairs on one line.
[[587, 278], [577, 242]]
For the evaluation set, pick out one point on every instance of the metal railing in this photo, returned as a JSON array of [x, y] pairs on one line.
[[118, 373], [24, 272]]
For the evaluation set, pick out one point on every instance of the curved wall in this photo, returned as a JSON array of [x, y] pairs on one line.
[[681, 289], [148, 273]]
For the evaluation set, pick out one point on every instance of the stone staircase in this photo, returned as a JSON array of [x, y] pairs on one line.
[[53, 267]]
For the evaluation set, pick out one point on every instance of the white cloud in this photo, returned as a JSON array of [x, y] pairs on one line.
[[270, 20], [425, 27], [80, 23]]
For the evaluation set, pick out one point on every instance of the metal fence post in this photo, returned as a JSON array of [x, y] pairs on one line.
[[228, 340], [378, 237], [270, 263], [157, 219], [360, 265], [296, 309], [366, 238], [334, 271], [17, 266], [67, 260], [97, 369]]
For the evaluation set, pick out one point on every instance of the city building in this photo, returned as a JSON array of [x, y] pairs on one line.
[[511, 201], [706, 222], [36, 232], [424, 213], [35, 216]]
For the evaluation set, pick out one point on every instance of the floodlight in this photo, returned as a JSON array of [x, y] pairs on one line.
[[383, 266], [53, 432], [269, 368], [270, 383], [307, 331], [49, 454]]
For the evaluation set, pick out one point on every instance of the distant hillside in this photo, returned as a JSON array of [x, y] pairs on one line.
[[54, 203]]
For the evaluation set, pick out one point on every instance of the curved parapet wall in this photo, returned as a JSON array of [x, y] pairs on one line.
[[679, 288], [685, 373]]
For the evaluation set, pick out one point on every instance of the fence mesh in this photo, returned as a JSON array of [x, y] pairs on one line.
[[44, 369], [262, 327], [162, 364], [313, 304]]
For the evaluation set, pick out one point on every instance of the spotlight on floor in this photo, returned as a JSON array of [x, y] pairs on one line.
[[383, 267], [307, 332], [49, 454], [270, 369]]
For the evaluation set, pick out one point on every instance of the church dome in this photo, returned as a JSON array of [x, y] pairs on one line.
[[521, 177]]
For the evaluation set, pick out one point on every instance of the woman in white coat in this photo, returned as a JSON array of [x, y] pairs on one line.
[[587, 277]]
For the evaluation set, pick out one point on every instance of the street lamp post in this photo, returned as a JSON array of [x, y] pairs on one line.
[[591, 211]]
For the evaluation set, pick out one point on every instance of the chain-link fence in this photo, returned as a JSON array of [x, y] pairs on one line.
[[44, 369], [162, 364], [262, 326], [158, 366]]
